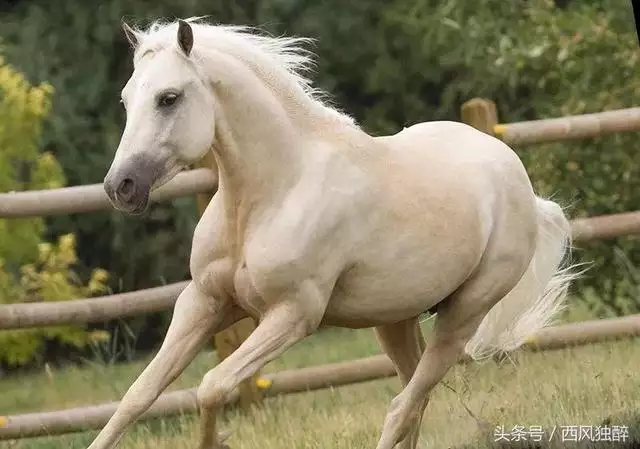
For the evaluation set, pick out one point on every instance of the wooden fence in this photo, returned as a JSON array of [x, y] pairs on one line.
[[297, 380], [202, 182]]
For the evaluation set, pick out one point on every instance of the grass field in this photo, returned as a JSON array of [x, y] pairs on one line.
[[585, 386]]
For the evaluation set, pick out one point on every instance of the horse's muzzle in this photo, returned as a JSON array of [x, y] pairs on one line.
[[127, 194], [128, 186]]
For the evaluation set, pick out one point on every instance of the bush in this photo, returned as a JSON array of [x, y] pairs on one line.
[[575, 61], [32, 270]]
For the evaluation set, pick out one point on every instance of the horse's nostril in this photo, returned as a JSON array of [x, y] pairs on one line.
[[126, 189]]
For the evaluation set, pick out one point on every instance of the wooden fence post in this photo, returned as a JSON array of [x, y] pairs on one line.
[[230, 339], [480, 113]]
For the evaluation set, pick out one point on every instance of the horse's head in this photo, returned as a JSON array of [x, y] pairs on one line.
[[170, 120]]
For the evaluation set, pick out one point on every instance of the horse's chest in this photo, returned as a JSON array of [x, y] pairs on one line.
[[224, 279], [246, 295]]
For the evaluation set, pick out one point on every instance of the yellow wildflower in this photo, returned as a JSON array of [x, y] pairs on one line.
[[99, 336], [100, 275], [44, 251], [67, 242]]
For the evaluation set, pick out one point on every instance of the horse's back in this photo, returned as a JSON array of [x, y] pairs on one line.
[[449, 142], [456, 163]]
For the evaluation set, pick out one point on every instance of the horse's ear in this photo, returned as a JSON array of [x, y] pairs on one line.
[[131, 35], [185, 37]]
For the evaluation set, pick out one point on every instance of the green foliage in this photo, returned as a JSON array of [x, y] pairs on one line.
[[30, 269], [576, 61], [51, 278], [22, 109]]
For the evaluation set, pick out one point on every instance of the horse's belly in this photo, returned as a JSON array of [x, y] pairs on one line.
[[368, 296], [369, 308]]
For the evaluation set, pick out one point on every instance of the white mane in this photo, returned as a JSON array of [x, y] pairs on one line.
[[281, 57]]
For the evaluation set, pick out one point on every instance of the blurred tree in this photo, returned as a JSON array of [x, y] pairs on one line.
[[31, 269], [574, 61]]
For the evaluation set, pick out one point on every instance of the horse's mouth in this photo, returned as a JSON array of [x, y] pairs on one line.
[[141, 207], [138, 208], [174, 167]]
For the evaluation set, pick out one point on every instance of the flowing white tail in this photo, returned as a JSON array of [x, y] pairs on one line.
[[537, 297]]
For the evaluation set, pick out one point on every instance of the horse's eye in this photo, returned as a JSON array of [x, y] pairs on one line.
[[167, 99]]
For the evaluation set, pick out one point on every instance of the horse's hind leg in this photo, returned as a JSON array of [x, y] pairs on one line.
[[444, 349], [457, 320], [403, 343]]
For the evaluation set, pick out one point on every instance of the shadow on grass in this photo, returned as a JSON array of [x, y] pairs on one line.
[[627, 429]]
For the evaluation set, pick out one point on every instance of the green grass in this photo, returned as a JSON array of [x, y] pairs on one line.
[[577, 386]]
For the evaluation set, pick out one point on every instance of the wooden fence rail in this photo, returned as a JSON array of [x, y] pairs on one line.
[[605, 226], [297, 380], [89, 198], [82, 311], [569, 128], [482, 114], [178, 402]]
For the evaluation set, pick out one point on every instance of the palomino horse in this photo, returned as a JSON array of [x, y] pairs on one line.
[[316, 223]]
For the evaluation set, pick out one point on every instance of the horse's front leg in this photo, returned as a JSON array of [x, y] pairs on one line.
[[196, 318], [292, 318]]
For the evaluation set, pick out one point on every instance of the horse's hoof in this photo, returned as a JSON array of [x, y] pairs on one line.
[[219, 443], [222, 437]]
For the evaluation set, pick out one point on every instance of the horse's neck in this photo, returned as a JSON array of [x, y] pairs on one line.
[[259, 156], [256, 148]]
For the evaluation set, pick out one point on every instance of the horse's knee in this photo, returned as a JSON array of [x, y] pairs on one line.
[[214, 390]]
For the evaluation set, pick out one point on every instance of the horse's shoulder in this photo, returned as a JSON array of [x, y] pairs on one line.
[[308, 232]]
